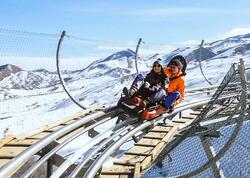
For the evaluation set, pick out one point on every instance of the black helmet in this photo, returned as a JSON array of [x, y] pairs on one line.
[[177, 63]]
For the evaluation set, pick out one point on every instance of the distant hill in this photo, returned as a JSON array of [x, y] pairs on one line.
[[7, 70]]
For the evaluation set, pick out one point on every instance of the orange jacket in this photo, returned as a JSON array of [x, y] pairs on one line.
[[177, 84]]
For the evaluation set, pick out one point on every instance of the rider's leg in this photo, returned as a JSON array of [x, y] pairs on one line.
[[136, 85], [169, 100], [158, 96]]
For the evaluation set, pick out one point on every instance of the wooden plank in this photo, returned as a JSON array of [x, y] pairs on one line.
[[75, 116], [118, 169], [160, 129], [39, 136], [115, 176], [139, 150], [137, 170], [195, 113], [156, 151], [182, 120], [109, 176], [5, 140], [55, 128], [147, 142], [10, 152], [165, 125], [129, 160], [154, 135], [189, 117], [179, 122], [3, 162], [26, 142], [61, 139], [68, 122]]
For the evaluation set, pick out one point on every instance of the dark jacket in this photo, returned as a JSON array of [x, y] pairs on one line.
[[156, 82], [154, 79]]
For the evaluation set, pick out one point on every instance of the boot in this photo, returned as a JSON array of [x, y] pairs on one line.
[[129, 92], [125, 91], [132, 92]]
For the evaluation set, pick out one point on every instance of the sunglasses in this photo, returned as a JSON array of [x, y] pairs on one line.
[[157, 65]]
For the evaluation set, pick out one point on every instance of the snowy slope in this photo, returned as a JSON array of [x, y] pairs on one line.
[[38, 96]]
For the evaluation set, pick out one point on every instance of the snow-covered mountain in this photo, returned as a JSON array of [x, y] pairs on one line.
[[39, 92], [119, 65], [115, 65], [229, 47], [7, 70], [29, 80]]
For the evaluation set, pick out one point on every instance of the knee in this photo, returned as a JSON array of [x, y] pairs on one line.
[[140, 77], [176, 94]]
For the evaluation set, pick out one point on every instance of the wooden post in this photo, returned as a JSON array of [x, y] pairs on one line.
[[137, 170]]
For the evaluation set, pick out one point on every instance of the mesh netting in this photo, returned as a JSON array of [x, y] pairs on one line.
[[224, 114], [92, 69], [31, 94], [190, 155], [27, 63]]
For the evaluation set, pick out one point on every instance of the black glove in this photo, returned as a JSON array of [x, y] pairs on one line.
[[146, 84], [153, 89]]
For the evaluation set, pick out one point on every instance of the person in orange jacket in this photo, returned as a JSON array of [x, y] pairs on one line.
[[176, 87], [173, 94]]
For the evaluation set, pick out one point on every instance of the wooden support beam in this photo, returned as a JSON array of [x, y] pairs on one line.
[[10, 152], [6, 140], [25, 142], [137, 171]]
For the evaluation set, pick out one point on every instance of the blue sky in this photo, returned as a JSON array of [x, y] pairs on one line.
[[170, 22], [153, 20]]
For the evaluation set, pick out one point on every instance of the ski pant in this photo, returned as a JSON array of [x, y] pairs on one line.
[[138, 82], [144, 92], [158, 96], [169, 100]]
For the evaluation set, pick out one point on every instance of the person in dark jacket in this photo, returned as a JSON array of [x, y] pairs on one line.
[[148, 86]]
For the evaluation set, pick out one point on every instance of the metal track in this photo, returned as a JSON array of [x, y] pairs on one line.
[[28, 151], [18, 152]]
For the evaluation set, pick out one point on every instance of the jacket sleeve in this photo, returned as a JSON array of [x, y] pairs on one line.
[[181, 89], [167, 71]]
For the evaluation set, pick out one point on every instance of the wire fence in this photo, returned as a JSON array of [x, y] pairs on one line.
[[233, 155], [31, 95]]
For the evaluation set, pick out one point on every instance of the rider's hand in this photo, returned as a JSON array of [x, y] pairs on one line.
[[153, 89], [146, 85]]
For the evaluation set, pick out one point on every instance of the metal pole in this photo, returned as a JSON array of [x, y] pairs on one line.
[[202, 42], [136, 55], [60, 74]]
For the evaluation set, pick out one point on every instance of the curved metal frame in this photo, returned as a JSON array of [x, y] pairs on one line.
[[60, 74], [10, 168], [136, 55], [81, 164], [90, 173], [202, 42], [233, 137], [35, 166]]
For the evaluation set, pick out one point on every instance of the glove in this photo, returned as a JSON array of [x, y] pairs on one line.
[[153, 89], [146, 85]]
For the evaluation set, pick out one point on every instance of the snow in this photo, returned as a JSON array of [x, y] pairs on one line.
[[39, 105], [31, 100]]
